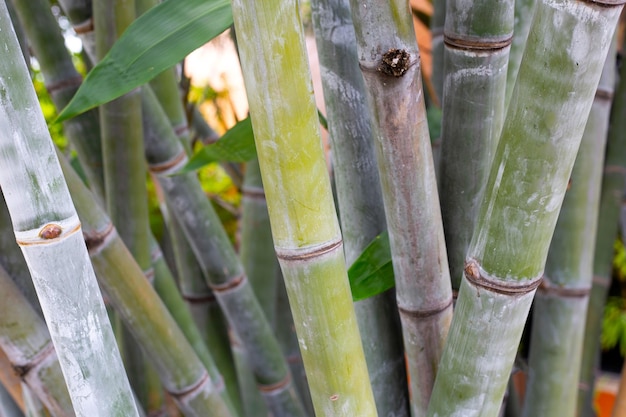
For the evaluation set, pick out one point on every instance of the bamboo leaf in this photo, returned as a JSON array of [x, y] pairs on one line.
[[157, 40], [236, 145], [372, 272]]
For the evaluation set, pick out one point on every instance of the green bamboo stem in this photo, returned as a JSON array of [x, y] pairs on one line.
[[613, 184], [19, 31], [62, 81], [359, 195], [26, 341], [304, 223], [476, 53], [256, 248], [523, 16], [558, 76], [197, 390], [48, 231], [405, 164], [437, 45], [560, 306], [34, 407], [220, 265], [203, 307]]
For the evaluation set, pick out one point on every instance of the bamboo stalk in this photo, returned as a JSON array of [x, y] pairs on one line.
[[79, 13], [560, 306], [524, 10], [26, 341], [389, 61], [10, 381], [613, 185], [476, 53], [436, 29], [197, 390], [304, 223], [566, 48], [48, 231], [220, 265], [359, 196]]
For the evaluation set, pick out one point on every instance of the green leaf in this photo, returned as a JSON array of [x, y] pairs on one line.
[[236, 145], [372, 272], [156, 41]]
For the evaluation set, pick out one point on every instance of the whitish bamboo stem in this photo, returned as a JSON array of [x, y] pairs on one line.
[[389, 60], [553, 94], [613, 184], [48, 231], [560, 306], [476, 53], [302, 214], [359, 196]]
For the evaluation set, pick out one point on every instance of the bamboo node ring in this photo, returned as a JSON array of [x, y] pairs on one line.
[[479, 278]]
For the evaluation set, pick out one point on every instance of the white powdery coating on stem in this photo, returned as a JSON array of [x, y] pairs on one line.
[[80, 330]]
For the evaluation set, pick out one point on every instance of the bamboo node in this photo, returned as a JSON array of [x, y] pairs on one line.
[[302, 254], [170, 166], [23, 370], [278, 386], [229, 285], [334, 397], [395, 62], [84, 27], [63, 84], [548, 288], [469, 43], [479, 278], [191, 389], [95, 240], [429, 312], [50, 231]]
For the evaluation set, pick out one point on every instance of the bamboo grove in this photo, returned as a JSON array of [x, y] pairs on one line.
[[399, 282]]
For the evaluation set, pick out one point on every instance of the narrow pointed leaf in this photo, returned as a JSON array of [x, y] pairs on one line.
[[372, 272], [236, 145], [156, 41]]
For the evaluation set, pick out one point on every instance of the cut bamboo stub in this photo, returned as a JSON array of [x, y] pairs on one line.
[[481, 279]]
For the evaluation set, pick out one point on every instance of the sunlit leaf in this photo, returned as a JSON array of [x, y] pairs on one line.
[[156, 41]]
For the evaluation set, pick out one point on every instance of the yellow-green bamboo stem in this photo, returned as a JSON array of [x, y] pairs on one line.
[[556, 83], [359, 196], [48, 231], [477, 37], [389, 60], [523, 16], [304, 223], [560, 306]]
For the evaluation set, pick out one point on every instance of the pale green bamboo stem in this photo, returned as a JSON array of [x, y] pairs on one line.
[[48, 232], [34, 407], [197, 390], [304, 223], [26, 341], [613, 184], [359, 196], [220, 265], [524, 10], [565, 51], [384, 32], [62, 81], [477, 37], [560, 306], [204, 309], [436, 31]]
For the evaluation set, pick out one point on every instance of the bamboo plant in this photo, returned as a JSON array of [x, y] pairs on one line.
[[613, 184], [558, 76], [361, 212], [389, 60], [476, 53], [48, 231], [560, 305], [218, 260], [304, 225]]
